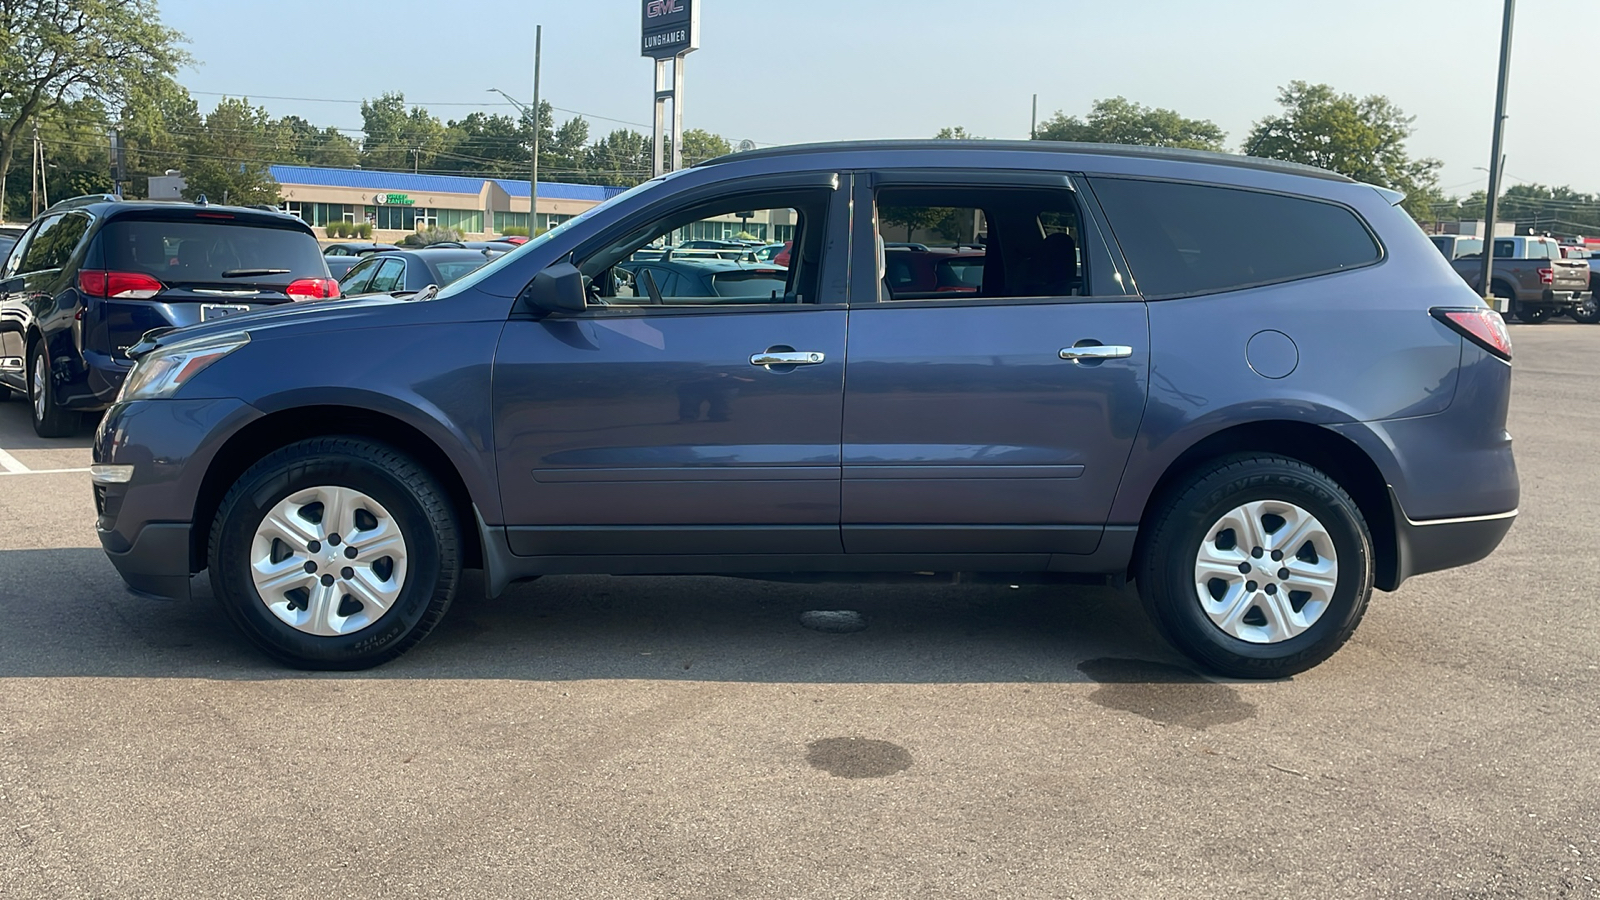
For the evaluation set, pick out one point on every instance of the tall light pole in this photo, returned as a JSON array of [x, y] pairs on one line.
[[533, 176], [1496, 159]]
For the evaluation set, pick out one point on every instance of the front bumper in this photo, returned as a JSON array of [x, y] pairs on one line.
[[144, 524], [157, 560]]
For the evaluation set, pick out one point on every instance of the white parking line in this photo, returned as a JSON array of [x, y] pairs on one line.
[[11, 464], [42, 471]]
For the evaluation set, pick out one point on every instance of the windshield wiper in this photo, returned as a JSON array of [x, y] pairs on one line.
[[246, 273]]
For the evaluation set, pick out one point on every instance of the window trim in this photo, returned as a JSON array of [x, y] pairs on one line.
[[1380, 259]]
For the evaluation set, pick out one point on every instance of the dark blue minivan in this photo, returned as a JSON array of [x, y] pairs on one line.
[[1252, 387]]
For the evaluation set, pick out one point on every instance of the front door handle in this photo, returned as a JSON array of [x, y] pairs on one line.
[[787, 358], [1096, 351]]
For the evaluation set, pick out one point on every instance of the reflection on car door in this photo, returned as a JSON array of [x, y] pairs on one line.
[[651, 432]]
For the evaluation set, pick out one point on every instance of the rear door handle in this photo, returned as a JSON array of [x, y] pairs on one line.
[[1096, 351], [787, 358]]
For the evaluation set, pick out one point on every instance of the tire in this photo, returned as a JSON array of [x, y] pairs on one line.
[[1243, 631], [1586, 311], [1533, 315], [350, 612], [49, 420]]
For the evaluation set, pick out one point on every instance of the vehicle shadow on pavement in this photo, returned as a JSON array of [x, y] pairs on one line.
[[65, 613]]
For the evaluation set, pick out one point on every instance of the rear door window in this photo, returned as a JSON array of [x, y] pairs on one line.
[[1182, 239], [198, 251], [355, 281]]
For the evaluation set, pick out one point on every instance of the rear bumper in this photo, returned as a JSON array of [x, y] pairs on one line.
[[1437, 544], [156, 562]]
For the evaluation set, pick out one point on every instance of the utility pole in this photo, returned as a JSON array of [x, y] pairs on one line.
[[1033, 124], [1496, 159], [533, 178], [36, 167]]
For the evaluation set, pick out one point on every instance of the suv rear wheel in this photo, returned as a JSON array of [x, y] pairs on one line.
[[49, 420], [335, 553], [1257, 567]]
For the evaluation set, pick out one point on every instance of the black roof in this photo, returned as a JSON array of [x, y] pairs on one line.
[[1172, 154]]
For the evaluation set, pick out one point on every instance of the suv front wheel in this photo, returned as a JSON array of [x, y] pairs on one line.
[[335, 553], [1257, 567]]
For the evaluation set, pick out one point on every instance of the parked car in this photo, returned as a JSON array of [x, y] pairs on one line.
[[1269, 396], [696, 281], [1531, 275], [1455, 246], [92, 274], [399, 271], [355, 248], [928, 270]]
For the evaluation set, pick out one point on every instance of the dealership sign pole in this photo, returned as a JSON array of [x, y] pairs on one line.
[[670, 31]]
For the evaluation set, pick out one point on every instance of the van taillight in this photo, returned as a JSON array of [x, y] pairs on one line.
[[1482, 326], [313, 289], [118, 285]]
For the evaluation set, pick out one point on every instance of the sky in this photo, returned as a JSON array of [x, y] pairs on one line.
[[785, 72]]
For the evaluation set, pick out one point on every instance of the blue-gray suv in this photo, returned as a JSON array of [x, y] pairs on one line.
[[1253, 388]]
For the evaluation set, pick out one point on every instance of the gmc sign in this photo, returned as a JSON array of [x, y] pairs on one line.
[[669, 28]]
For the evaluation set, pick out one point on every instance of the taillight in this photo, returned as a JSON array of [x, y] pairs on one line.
[[118, 285], [1482, 326], [313, 289], [1547, 276]]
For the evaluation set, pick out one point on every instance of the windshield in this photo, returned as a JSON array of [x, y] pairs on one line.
[[548, 236]]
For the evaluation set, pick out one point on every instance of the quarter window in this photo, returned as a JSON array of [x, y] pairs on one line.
[[53, 243], [1182, 239]]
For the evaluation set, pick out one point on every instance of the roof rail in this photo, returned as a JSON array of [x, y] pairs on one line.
[[85, 200]]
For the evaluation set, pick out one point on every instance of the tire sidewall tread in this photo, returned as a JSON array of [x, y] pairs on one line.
[[1165, 569], [403, 486]]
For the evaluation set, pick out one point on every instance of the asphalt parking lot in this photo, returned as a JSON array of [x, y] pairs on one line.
[[652, 737]]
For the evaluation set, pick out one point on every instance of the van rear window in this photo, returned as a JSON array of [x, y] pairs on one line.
[[194, 251]]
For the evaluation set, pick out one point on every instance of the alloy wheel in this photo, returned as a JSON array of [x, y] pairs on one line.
[[39, 383], [328, 560], [1266, 572]]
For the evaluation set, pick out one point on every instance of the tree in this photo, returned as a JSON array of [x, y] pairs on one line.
[[621, 158], [700, 145], [1364, 138], [488, 144], [159, 122], [225, 160], [57, 51], [914, 218], [396, 138], [1121, 121], [302, 143], [958, 133], [563, 156]]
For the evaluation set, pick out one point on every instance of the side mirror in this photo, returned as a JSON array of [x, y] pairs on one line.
[[558, 289]]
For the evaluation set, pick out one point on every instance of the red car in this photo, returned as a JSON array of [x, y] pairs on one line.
[[909, 271]]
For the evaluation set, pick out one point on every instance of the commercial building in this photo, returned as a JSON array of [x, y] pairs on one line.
[[396, 203]]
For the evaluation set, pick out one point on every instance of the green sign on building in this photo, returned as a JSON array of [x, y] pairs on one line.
[[392, 199]]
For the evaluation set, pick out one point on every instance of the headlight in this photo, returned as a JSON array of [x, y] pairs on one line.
[[161, 373]]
